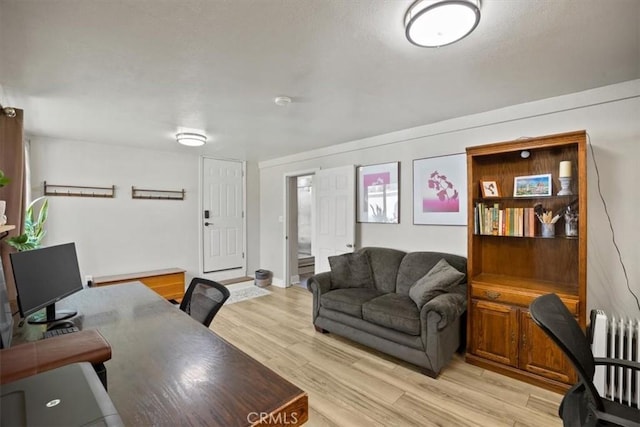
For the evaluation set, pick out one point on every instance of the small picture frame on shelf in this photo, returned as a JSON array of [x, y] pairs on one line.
[[532, 186], [489, 189]]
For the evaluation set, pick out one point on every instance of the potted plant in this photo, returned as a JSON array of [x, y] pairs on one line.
[[3, 179], [33, 229]]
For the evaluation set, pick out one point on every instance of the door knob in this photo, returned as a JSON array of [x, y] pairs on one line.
[[208, 224], [349, 245]]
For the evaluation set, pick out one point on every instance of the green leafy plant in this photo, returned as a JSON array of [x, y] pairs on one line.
[[33, 229], [3, 179]]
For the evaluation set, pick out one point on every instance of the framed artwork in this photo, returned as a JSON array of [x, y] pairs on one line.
[[440, 190], [532, 185], [379, 193], [490, 189]]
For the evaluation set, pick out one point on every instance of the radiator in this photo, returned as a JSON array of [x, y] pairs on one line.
[[616, 338]]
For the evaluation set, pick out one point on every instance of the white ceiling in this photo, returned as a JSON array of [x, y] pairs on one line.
[[133, 72]]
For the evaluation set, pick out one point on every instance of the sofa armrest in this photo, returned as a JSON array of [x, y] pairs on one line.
[[31, 358], [320, 283], [448, 306]]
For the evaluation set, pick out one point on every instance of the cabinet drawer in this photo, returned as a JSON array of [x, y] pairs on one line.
[[169, 286], [169, 290], [521, 297], [156, 281]]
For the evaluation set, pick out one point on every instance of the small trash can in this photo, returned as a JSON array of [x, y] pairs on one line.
[[263, 278]]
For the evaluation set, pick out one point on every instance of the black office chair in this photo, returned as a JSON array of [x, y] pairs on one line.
[[581, 405], [203, 299]]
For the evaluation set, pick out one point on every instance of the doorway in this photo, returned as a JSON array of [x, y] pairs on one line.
[[306, 260], [299, 229]]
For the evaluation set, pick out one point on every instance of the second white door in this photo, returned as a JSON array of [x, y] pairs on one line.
[[335, 214]]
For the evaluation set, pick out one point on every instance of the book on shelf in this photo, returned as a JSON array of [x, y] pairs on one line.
[[529, 222], [493, 221]]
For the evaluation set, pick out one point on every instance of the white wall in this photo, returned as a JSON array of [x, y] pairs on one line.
[[611, 116], [253, 217], [125, 235]]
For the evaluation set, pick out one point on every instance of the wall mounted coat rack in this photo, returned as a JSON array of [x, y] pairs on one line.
[[141, 193], [78, 191]]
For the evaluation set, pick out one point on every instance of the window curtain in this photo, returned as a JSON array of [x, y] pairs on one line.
[[12, 163]]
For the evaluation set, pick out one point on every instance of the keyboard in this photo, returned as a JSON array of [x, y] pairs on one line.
[[61, 331]]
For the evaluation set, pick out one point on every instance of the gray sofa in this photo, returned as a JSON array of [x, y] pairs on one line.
[[368, 298]]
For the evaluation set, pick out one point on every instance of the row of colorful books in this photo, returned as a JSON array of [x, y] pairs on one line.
[[491, 220]]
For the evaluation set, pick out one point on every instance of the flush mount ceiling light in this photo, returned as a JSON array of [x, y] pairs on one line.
[[436, 23], [191, 139]]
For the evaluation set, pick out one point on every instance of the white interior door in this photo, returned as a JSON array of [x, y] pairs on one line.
[[223, 215], [335, 214]]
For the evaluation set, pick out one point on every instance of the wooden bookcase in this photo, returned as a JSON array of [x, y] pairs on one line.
[[506, 273]]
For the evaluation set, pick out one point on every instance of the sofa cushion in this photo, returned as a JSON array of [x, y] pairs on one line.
[[350, 270], [384, 267], [393, 311], [416, 264], [348, 301], [439, 280]]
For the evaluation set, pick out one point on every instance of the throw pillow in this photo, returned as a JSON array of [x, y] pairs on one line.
[[437, 281], [350, 270]]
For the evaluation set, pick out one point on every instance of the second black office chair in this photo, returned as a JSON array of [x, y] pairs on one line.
[[582, 405], [203, 299]]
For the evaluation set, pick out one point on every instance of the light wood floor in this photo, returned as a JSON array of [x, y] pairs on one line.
[[351, 385]]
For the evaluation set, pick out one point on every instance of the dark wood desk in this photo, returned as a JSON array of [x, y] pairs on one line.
[[167, 369]]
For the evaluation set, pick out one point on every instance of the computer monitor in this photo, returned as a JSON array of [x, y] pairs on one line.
[[43, 277]]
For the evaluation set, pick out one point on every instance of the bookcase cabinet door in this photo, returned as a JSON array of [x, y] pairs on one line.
[[494, 332], [539, 355]]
